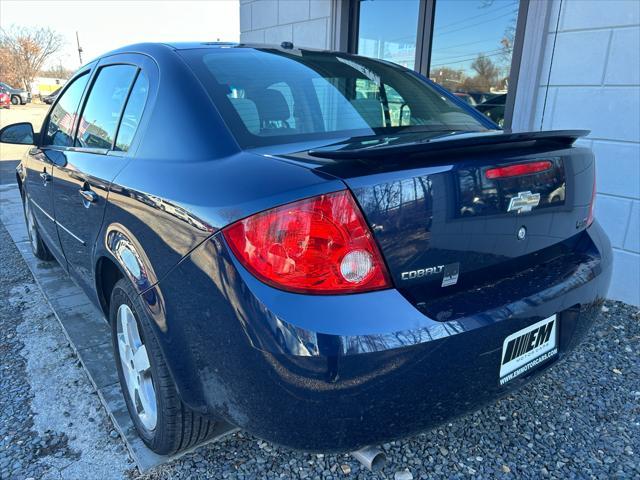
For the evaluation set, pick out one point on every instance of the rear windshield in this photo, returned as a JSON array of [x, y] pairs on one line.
[[270, 96]]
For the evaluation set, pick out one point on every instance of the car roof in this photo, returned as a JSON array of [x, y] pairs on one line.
[[190, 45], [150, 47]]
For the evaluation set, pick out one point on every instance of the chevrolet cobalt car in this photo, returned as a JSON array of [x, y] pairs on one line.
[[326, 250]]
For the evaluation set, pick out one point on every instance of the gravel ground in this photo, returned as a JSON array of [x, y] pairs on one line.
[[52, 424], [579, 420]]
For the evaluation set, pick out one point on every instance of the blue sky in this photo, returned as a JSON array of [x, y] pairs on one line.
[[463, 28], [106, 25]]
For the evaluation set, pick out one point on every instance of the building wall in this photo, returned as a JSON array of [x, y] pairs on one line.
[[590, 79], [46, 85], [306, 23]]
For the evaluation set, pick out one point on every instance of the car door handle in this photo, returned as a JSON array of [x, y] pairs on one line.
[[88, 195], [45, 177]]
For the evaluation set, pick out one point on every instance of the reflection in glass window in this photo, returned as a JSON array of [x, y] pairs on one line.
[[337, 111], [102, 110], [472, 49], [132, 113], [387, 30], [282, 106], [328, 95], [63, 114], [399, 110]]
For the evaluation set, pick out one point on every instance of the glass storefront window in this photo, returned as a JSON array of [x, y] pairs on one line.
[[471, 51], [387, 30]]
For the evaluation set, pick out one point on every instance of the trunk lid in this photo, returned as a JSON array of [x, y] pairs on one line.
[[448, 220]]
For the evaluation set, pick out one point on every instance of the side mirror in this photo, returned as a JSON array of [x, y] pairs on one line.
[[18, 133]]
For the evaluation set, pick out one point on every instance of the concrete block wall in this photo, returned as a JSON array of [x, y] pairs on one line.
[[591, 80], [306, 23]]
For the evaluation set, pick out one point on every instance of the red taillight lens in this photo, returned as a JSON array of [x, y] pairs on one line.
[[518, 169], [319, 245]]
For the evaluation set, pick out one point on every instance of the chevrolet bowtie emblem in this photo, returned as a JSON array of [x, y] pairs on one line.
[[524, 202]]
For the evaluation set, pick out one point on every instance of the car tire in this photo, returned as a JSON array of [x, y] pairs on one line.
[[38, 246], [146, 383], [15, 100]]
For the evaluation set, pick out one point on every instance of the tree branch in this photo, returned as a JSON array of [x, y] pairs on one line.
[[28, 49]]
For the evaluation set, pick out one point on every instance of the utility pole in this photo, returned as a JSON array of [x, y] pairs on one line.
[[79, 47]]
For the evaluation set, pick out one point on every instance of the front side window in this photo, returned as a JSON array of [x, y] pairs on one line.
[[101, 114], [63, 115], [268, 97]]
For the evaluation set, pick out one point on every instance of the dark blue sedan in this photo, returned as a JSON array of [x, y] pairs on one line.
[[326, 250]]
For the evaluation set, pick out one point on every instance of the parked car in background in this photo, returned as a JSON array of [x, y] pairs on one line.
[[481, 97], [19, 96], [49, 99], [494, 108], [326, 250], [5, 98], [465, 97]]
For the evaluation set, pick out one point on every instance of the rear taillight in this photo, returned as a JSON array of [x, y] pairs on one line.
[[319, 245], [518, 169]]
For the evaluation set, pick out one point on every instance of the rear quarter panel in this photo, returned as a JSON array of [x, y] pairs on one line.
[[187, 178]]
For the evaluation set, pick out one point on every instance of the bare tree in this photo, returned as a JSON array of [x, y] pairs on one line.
[[57, 71], [485, 68], [28, 49], [8, 72], [487, 75]]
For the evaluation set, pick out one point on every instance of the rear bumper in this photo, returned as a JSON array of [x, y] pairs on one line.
[[336, 373]]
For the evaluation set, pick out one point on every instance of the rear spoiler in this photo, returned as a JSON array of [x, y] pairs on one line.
[[477, 140]]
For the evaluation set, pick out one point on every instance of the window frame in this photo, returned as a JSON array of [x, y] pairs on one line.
[[85, 99], [148, 66], [45, 124], [424, 42], [114, 148], [144, 64]]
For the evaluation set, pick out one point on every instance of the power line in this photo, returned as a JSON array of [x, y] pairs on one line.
[[438, 30], [474, 17], [466, 43], [437, 33], [447, 59], [465, 60], [476, 24]]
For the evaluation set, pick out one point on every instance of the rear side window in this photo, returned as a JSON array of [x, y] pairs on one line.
[[101, 114], [64, 113], [132, 113]]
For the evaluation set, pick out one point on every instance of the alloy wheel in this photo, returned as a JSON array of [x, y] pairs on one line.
[[136, 368], [31, 226]]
